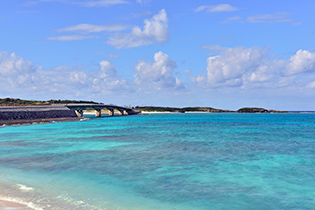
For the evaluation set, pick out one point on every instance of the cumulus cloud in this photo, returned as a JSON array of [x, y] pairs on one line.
[[159, 74], [302, 62], [154, 30], [233, 63], [90, 28], [217, 8], [71, 37], [255, 66], [15, 71], [107, 69], [18, 74]]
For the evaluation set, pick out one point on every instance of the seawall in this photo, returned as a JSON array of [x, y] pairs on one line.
[[18, 113]]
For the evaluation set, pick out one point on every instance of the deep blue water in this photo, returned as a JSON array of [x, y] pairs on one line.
[[163, 161]]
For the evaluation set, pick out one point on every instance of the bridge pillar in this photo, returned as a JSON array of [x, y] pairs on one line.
[[98, 113], [121, 112], [79, 113], [110, 112]]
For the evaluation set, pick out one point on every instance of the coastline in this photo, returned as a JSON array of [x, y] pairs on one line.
[[187, 112], [13, 205], [39, 121]]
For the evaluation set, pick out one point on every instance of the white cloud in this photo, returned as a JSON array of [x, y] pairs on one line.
[[31, 3], [143, 1], [231, 64], [96, 3], [90, 28], [71, 37], [84, 29], [101, 3], [311, 85], [278, 17], [15, 71], [107, 69], [154, 30], [158, 74], [217, 8], [264, 72], [21, 77], [255, 67], [239, 67], [233, 19], [302, 62], [255, 74]]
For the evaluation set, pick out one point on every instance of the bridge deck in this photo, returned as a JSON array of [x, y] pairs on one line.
[[98, 107]]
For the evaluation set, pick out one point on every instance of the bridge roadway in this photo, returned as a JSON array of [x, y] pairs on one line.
[[78, 108]]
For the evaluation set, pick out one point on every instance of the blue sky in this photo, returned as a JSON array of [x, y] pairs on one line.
[[223, 54]]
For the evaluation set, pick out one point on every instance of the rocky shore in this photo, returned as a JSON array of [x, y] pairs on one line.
[[10, 115]]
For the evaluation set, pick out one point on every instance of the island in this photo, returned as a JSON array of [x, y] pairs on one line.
[[258, 110], [179, 110], [18, 111]]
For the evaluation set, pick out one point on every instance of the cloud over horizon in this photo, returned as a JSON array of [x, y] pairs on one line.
[[231, 69], [18, 74], [247, 67], [15, 72]]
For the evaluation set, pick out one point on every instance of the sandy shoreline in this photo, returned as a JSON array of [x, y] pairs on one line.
[[8, 205]]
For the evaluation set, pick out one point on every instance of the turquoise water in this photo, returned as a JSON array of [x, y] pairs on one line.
[[163, 161]]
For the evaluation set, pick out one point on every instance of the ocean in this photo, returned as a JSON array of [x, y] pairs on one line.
[[205, 161]]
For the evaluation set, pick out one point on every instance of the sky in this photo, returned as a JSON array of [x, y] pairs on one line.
[[222, 54]]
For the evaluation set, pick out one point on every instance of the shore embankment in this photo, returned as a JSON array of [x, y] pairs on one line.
[[11, 115]]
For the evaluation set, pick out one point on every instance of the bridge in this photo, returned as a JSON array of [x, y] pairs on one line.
[[78, 108]]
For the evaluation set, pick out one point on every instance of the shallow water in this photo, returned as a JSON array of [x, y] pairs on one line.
[[163, 161]]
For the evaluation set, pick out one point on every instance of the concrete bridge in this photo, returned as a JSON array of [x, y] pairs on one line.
[[98, 107]]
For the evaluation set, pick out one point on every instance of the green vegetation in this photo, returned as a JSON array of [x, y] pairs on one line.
[[258, 110], [203, 109], [252, 110], [175, 109], [20, 102]]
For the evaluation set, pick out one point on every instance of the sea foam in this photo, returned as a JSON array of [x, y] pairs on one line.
[[24, 188]]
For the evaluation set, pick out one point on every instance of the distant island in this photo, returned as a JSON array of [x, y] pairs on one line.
[[258, 110], [178, 110], [21, 102], [204, 109]]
